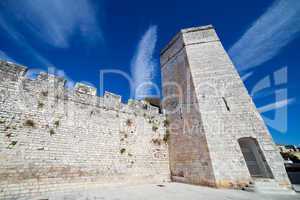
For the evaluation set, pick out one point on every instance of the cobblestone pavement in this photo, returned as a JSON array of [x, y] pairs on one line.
[[169, 191]]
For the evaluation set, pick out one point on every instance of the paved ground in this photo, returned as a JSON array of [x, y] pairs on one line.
[[297, 188], [169, 191]]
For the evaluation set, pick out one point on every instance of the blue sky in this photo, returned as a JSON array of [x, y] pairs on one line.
[[80, 38]]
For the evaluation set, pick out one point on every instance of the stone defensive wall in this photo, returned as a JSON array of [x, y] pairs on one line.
[[53, 138]]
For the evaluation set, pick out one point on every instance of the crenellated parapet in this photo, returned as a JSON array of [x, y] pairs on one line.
[[85, 89], [112, 101], [140, 106], [11, 71], [51, 79], [55, 137], [12, 68], [54, 87]]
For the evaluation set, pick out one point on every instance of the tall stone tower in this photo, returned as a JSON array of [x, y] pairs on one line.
[[217, 137]]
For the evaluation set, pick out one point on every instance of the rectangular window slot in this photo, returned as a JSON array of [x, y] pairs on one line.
[[226, 104]]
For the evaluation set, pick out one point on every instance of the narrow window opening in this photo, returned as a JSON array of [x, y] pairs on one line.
[[226, 104], [181, 117]]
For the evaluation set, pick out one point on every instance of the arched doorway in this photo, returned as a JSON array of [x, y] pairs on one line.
[[255, 159]]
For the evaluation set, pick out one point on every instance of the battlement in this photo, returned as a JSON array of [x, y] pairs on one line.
[[72, 136], [81, 93], [12, 69], [85, 89], [50, 78]]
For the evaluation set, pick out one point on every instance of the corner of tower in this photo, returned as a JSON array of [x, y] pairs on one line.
[[185, 37], [174, 46], [197, 35], [197, 28]]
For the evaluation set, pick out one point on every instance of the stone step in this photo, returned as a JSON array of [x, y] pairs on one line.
[[269, 191], [267, 186]]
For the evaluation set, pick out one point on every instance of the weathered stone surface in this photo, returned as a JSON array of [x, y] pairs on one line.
[[211, 96], [53, 139], [85, 89]]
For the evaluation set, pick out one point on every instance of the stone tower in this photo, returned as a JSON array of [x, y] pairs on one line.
[[217, 137]]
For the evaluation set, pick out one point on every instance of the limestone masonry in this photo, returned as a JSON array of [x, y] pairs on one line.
[[210, 133], [53, 139]]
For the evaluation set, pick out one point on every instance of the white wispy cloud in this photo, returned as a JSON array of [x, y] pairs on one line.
[[143, 66], [277, 27], [246, 76], [21, 42], [56, 21], [4, 56], [276, 105]]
